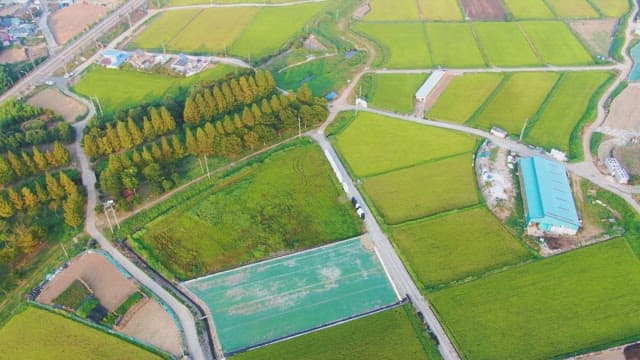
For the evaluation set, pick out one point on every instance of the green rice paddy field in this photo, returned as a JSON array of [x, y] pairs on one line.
[[247, 32], [395, 92], [122, 89], [374, 144], [289, 201], [440, 251], [404, 45], [440, 10], [392, 334], [528, 9], [419, 191], [40, 334], [581, 299]]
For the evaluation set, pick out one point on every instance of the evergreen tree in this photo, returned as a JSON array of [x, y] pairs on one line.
[[265, 107], [28, 163], [112, 137], [229, 98], [156, 152], [220, 128], [275, 104], [156, 120], [229, 128], [68, 185], [237, 122], [247, 95], [202, 108], [126, 141], [137, 137], [204, 144], [257, 113], [192, 144], [6, 172], [271, 83], [304, 94], [251, 139], [247, 117], [129, 178], [6, 209], [26, 238], [253, 87], [104, 145], [114, 165], [15, 199], [54, 189], [110, 182], [284, 100], [178, 148], [30, 199], [210, 130], [231, 146], [146, 156], [41, 193], [39, 159], [90, 145], [137, 158], [261, 81], [74, 211], [125, 160], [221, 103], [191, 114], [167, 151], [210, 108], [168, 122], [237, 91], [148, 130]]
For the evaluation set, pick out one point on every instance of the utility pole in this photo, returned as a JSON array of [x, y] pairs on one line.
[[299, 127], [64, 250], [164, 49], [97, 100], [526, 121], [109, 210]]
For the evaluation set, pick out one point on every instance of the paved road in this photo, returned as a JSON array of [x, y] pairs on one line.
[[185, 317], [56, 61], [43, 23]]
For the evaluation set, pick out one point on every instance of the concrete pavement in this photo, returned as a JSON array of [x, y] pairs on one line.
[[43, 23]]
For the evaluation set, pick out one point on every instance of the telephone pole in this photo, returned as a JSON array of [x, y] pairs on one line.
[[110, 211]]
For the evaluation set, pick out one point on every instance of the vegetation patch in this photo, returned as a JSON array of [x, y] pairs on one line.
[[572, 8], [464, 95], [393, 10], [40, 334], [614, 8], [392, 334], [73, 296], [556, 44], [528, 9], [423, 190], [373, 144], [395, 92], [583, 299], [440, 251], [453, 45], [404, 45], [504, 44], [440, 9]]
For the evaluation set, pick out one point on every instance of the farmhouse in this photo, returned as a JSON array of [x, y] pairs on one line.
[[113, 58], [617, 171], [549, 204], [429, 85]]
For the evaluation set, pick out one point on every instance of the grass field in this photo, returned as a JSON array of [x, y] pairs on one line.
[[572, 8], [392, 334], [517, 101], [504, 44], [395, 92], [393, 10], [474, 89], [424, 189], [404, 44], [164, 27], [281, 297], [565, 109], [39, 334], [453, 45], [528, 9], [440, 251], [613, 8], [556, 44], [290, 201], [122, 89], [566, 303], [373, 144], [440, 10]]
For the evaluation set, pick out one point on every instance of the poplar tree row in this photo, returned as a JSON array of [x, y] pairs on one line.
[[14, 167]]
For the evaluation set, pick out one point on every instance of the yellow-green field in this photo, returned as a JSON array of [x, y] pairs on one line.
[[556, 44], [528, 9], [505, 45], [453, 44], [440, 10], [393, 10], [572, 8], [395, 92], [404, 45]]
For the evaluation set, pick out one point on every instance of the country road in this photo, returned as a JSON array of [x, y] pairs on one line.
[[43, 23]]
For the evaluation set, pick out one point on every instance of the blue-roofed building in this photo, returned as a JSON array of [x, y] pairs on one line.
[[548, 199], [113, 59]]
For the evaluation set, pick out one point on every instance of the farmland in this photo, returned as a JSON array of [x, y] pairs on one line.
[[474, 88], [439, 250], [393, 10], [243, 31], [373, 144], [121, 89], [392, 92], [39, 334], [404, 44], [556, 44], [572, 8], [292, 194], [518, 100], [494, 36], [583, 298], [612, 7], [565, 109], [440, 9], [424, 189], [454, 45], [528, 9], [392, 334]]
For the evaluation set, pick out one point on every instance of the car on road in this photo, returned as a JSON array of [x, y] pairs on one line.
[[49, 82]]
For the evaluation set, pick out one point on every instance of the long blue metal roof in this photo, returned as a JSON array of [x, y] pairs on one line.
[[548, 193]]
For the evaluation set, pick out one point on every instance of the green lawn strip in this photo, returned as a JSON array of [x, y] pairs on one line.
[[584, 298], [464, 96], [73, 296], [518, 100], [505, 45], [423, 190], [440, 250], [288, 202], [556, 44], [528, 9], [391, 334], [405, 43], [453, 45], [567, 106], [594, 144], [374, 144], [42, 334], [395, 92], [572, 8]]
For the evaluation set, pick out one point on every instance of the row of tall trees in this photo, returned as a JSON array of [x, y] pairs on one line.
[[126, 135], [41, 134], [14, 167], [208, 102]]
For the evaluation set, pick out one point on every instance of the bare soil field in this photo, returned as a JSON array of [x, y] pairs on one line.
[[625, 352], [629, 156], [625, 110], [437, 91], [64, 105], [14, 55], [595, 33], [151, 323], [72, 20], [108, 284], [483, 9]]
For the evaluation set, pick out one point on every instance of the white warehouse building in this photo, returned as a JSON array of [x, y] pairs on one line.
[[429, 85]]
